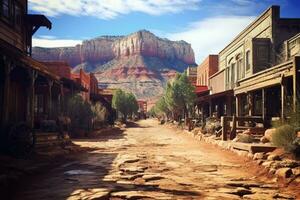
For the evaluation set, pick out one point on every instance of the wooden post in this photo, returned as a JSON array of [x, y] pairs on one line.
[[33, 76], [50, 84], [282, 101], [210, 108], [6, 101], [202, 113], [250, 103], [233, 130], [228, 106], [296, 84], [237, 112], [263, 94], [224, 128]]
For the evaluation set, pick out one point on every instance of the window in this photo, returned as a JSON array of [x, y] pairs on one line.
[[227, 75], [248, 60], [5, 8], [18, 16], [233, 73], [240, 69], [244, 105]]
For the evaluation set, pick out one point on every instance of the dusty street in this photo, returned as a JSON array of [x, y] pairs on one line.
[[150, 161]]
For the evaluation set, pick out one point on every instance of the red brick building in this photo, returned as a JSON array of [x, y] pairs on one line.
[[86, 83], [142, 106], [191, 73], [83, 79], [206, 69]]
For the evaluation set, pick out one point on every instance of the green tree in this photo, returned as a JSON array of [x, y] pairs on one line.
[[179, 97], [133, 106], [125, 103]]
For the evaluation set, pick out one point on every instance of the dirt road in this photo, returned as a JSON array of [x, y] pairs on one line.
[[150, 161]]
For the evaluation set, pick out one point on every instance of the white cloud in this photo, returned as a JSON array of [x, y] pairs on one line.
[[109, 9], [211, 35], [50, 42]]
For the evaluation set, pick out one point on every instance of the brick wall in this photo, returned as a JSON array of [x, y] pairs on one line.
[[206, 69]]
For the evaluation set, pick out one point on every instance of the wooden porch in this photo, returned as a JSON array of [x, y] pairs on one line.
[[29, 95]]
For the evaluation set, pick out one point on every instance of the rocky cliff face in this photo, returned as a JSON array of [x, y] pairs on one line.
[[126, 61]]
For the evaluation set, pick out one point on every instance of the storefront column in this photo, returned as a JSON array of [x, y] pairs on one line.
[[250, 103], [283, 94], [33, 75], [228, 106], [237, 102], [210, 108], [263, 106], [50, 84], [8, 67], [296, 84]]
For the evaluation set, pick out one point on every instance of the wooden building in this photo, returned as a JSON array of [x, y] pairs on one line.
[[29, 92], [215, 101], [69, 86], [83, 79], [257, 72]]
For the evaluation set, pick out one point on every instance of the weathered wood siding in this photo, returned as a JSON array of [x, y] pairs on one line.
[[217, 82], [10, 33]]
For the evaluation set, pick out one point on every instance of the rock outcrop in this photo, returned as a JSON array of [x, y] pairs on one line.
[[127, 62]]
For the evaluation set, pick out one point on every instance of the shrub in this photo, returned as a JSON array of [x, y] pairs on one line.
[[295, 148], [80, 112], [284, 136], [244, 138], [100, 112]]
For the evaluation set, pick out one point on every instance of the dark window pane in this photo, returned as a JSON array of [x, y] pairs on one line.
[[5, 8], [18, 15]]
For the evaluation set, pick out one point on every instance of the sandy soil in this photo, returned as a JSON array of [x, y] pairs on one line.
[[150, 161]]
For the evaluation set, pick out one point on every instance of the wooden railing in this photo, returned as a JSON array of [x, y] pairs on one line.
[[236, 121]]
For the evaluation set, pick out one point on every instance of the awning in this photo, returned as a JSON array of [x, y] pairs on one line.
[[201, 89], [22, 59], [216, 95]]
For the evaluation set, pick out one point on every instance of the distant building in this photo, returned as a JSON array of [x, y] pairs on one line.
[[206, 69], [142, 106], [191, 73], [83, 79]]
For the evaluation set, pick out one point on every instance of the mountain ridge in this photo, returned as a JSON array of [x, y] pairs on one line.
[[137, 57]]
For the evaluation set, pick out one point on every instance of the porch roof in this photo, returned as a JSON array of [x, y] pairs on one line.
[[266, 78], [214, 96], [26, 61], [200, 89]]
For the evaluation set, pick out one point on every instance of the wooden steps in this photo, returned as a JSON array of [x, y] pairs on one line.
[[46, 140], [253, 148]]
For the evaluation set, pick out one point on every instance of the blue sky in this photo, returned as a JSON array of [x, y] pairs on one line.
[[195, 21]]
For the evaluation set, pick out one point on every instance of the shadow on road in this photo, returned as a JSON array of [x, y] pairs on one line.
[[82, 168], [131, 124]]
